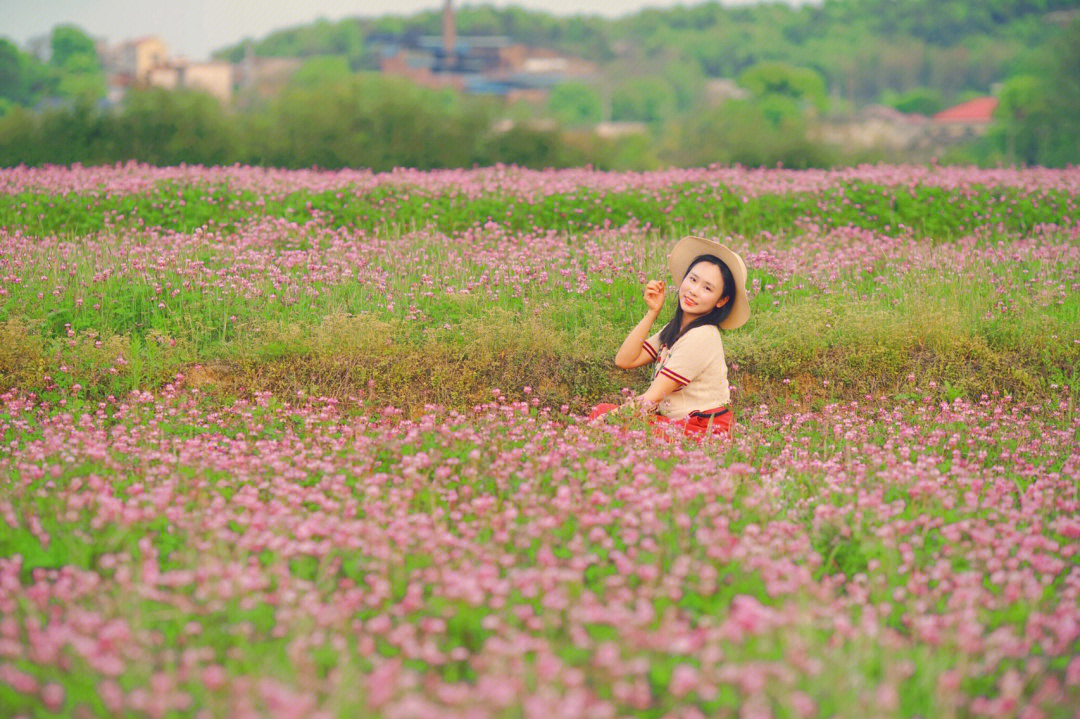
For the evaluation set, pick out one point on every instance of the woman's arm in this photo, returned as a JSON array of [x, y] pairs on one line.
[[660, 388], [632, 353]]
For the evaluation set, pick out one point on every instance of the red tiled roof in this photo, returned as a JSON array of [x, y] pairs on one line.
[[981, 109]]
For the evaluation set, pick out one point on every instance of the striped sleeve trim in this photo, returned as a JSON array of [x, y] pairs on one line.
[[649, 348], [674, 376]]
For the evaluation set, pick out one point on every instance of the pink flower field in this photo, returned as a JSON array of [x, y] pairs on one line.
[[899, 546], [288, 560]]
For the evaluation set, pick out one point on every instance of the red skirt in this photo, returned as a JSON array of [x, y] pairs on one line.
[[696, 425]]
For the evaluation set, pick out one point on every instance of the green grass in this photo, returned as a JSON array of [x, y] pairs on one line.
[[927, 211]]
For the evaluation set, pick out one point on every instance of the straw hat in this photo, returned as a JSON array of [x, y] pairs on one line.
[[688, 248]]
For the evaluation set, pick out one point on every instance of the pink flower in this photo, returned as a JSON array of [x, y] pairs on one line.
[[749, 615], [214, 677], [52, 696], [1072, 672], [684, 678], [802, 704]]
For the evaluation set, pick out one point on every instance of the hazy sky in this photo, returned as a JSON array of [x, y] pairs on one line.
[[195, 27]]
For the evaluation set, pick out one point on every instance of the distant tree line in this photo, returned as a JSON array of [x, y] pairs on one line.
[[72, 71], [380, 122], [333, 113], [863, 49], [366, 120]]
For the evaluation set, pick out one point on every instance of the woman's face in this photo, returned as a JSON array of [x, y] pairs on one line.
[[700, 290]]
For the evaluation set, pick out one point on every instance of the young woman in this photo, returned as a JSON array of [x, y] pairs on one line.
[[689, 385]]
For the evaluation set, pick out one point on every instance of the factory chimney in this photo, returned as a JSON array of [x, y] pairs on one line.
[[449, 34]]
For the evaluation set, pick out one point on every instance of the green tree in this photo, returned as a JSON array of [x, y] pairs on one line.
[[575, 103], [167, 127], [23, 79], [73, 49], [779, 78], [82, 86], [921, 100], [1038, 119], [741, 131], [322, 70], [530, 148], [77, 67], [688, 82], [20, 138], [373, 121], [646, 99]]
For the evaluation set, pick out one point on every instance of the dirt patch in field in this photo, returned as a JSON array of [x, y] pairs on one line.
[[356, 360], [411, 381]]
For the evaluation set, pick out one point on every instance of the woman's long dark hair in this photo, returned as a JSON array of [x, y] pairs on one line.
[[671, 331]]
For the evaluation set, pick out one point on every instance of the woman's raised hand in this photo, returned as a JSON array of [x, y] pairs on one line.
[[654, 295]]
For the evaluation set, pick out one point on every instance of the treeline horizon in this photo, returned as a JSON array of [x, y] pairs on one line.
[[916, 52], [379, 122], [334, 113]]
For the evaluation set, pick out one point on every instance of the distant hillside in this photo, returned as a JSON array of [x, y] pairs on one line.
[[863, 49]]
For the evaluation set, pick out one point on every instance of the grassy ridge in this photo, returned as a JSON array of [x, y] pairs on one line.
[[807, 349], [854, 289]]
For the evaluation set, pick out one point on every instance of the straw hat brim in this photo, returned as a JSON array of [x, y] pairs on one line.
[[688, 248]]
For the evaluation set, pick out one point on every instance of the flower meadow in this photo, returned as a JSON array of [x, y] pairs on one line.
[[313, 444]]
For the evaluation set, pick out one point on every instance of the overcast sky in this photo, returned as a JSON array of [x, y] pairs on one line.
[[194, 28]]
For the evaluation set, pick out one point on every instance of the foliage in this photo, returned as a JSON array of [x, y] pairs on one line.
[[766, 131], [1038, 119], [643, 99], [371, 121], [344, 38], [528, 147], [919, 100], [575, 103], [859, 49], [912, 55], [73, 72], [321, 70], [23, 79], [72, 48], [169, 127], [778, 78]]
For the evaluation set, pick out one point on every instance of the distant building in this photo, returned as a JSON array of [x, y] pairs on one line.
[[136, 58], [265, 76], [879, 126], [215, 78], [876, 126], [164, 76], [612, 130], [417, 67], [538, 124], [477, 64], [720, 89], [968, 119], [145, 62], [40, 47], [979, 110]]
